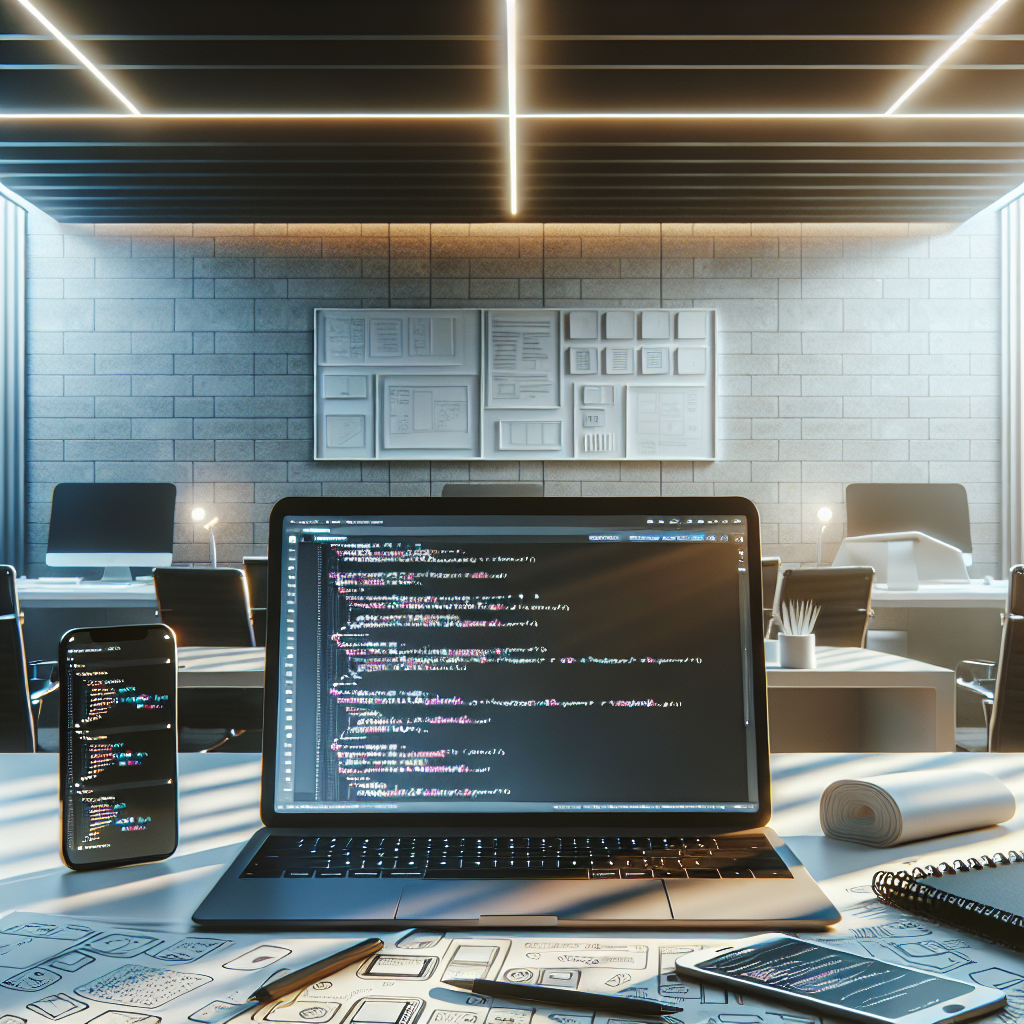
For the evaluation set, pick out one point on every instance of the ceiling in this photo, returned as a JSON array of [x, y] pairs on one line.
[[647, 110]]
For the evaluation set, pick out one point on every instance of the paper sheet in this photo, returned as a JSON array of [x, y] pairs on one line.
[[884, 810], [61, 968]]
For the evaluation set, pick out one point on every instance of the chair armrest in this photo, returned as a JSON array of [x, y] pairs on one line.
[[981, 691], [52, 683]]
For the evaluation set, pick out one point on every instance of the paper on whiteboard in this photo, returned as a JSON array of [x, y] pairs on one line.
[[344, 340], [429, 412], [663, 420], [522, 360]]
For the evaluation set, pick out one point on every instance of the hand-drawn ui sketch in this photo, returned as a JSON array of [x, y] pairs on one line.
[[511, 383], [404, 982]]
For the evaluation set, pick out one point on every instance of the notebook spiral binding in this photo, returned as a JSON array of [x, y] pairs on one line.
[[909, 891]]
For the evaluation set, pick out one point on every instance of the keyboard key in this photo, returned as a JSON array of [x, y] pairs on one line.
[[736, 873], [702, 873], [772, 873], [603, 873], [637, 873], [298, 874], [364, 874]]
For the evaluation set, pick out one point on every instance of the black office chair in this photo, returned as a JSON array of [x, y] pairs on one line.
[[844, 596], [1015, 592], [205, 607], [769, 584], [17, 726], [255, 569]]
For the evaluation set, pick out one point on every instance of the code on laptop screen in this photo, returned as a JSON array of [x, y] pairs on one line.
[[519, 664]]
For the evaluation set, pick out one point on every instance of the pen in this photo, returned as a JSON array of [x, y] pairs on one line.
[[565, 997], [286, 983]]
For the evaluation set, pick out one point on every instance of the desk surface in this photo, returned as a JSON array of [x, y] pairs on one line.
[[87, 594], [220, 810], [975, 594]]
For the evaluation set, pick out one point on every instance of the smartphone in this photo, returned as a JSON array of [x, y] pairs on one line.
[[780, 968], [118, 745]]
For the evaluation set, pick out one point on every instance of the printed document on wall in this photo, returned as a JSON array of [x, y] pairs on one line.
[[522, 359]]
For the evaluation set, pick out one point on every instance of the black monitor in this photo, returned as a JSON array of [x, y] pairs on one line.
[[114, 526], [940, 510]]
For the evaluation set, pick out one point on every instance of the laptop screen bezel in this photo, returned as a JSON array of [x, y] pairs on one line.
[[682, 822]]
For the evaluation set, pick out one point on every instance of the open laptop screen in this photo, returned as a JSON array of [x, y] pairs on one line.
[[516, 664]]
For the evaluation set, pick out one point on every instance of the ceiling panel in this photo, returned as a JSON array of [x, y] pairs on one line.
[[576, 58]]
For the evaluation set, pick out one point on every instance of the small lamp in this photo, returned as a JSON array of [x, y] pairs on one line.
[[198, 515], [824, 517]]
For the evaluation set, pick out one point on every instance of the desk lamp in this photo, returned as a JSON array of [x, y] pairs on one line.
[[824, 517], [198, 514]]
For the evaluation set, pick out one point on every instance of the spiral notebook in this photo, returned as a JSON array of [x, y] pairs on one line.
[[980, 895]]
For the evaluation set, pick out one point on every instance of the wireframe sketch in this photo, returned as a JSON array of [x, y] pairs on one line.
[[344, 339], [184, 951], [345, 431], [72, 960], [136, 985], [583, 359], [57, 1006], [118, 944], [385, 338], [33, 980], [258, 958], [663, 421], [524, 435], [429, 412], [339, 385], [522, 360]]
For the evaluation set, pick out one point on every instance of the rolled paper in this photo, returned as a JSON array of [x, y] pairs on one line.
[[885, 810]]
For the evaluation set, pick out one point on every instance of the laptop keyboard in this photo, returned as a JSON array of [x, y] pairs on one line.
[[420, 857]]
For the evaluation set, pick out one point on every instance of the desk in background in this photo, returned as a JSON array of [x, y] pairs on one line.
[[945, 623], [51, 609]]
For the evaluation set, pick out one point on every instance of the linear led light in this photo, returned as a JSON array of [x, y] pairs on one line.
[[956, 46], [79, 56], [510, 35]]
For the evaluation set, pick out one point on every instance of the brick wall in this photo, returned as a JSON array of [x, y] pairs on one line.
[[182, 353]]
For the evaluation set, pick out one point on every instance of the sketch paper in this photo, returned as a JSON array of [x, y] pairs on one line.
[[664, 421], [522, 360], [620, 325], [344, 339], [583, 359], [385, 338], [654, 359], [429, 412], [691, 360], [582, 325], [338, 386], [619, 359]]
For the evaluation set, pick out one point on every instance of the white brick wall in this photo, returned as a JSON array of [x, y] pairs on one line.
[[848, 353]]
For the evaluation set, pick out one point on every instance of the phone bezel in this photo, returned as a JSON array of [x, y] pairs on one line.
[[975, 1003], [104, 634]]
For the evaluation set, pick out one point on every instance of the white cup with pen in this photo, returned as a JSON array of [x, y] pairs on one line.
[[796, 634]]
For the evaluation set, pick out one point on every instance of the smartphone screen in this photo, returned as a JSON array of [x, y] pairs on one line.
[[119, 758], [856, 984]]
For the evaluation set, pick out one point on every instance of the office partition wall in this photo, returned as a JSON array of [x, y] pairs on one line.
[[12, 384]]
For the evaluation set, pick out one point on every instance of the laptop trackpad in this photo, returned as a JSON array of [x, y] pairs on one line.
[[597, 900]]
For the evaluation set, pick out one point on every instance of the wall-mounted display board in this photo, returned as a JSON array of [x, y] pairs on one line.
[[514, 384]]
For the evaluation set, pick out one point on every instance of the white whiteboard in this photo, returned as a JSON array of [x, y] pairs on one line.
[[514, 384]]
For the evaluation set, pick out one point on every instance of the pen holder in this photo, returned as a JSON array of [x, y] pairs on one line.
[[796, 651]]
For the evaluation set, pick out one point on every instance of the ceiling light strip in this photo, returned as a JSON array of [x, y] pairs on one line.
[[79, 56], [513, 156], [952, 49]]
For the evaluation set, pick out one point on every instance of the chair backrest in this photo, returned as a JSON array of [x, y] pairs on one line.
[[769, 584], [255, 569], [844, 595], [1006, 722], [1015, 594], [17, 728], [205, 607]]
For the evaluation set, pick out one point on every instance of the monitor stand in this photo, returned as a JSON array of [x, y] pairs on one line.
[[116, 574]]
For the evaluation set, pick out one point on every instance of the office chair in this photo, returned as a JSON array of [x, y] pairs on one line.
[[17, 726], [255, 569], [844, 596], [205, 607], [1015, 591], [1006, 719], [769, 584]]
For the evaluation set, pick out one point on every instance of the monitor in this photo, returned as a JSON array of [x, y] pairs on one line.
[[546, 658], [113, 526], [939, 510]]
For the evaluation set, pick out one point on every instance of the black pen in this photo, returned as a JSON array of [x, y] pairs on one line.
[[565, 997], [286, 983]]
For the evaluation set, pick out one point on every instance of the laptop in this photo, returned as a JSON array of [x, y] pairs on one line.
[[515, 712]]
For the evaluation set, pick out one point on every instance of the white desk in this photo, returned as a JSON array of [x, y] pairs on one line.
[[87, 594], [220, 810], [975, 594], [861, 700], [220, 666]]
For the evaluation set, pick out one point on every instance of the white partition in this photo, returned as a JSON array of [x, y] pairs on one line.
[[514, 384]]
